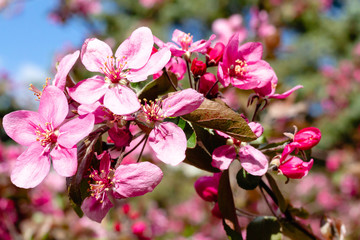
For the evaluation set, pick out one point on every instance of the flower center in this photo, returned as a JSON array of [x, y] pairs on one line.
[[153, 110], [36, 91], [185, 41], [114, 69], [46, 135], [238, 69], [102, 183]]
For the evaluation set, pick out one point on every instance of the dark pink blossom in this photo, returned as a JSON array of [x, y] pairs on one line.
[[206, 82], [207, 187], [167, 139], [198, 68], [242, 66], [214, 55], [46, 134], [126, 181], [133, 62]]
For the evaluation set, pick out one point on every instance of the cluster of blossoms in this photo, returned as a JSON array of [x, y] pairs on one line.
[[75, 116]]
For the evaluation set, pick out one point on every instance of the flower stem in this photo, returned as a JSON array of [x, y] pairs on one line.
[[189, 75], [169, 79], [142, 149], [212, 87]]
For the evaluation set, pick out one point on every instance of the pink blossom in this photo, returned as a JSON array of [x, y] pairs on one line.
[[184, 44], [149, 3], [206, 82], [251, 159], [291, 166], [225, 28], [46, 134], [176, 65], [167, 139], [198, 68], [242, 66], [133, 62], [268, 91], [260, 23], [126, 181]]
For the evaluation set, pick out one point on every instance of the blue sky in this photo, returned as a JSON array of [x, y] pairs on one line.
[[29, 39], [29, 42]]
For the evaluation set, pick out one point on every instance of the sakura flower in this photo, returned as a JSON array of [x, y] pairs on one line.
[[242, 66], [225, 28], [46, 134], [185, 44], [126, 181], [214, 55], [307, 138], [251, 159], [167, 139], [176, 65], [133, 62]]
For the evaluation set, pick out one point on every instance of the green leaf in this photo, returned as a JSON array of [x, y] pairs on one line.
[[282, 202], [247, 181], [217, 116], [158, 87], [226, 204], [189, 132], [262, 228]]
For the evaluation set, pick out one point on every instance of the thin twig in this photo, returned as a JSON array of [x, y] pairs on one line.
[[169, 79], [142, 149]]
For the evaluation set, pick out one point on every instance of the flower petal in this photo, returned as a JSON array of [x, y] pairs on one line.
[[251, 51], [182, 102], [137, 48], [136, 179], [94, 54], [64, 68], [168, 142], [253, 161], [53, 105], [95, 209], [21, 126], [75, 130], [89, 90], [286, 94], [223, 156], [31, 167], [156, 62], [121, 100], [64, 160]]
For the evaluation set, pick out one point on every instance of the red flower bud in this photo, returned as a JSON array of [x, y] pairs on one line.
[[294, 167], [198, 68], [214, 55], [207, 187], [206, 82], [307, 138]]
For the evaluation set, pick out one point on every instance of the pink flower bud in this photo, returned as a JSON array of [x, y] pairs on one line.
[[207, 81], [198, 68], [126, 208], [138, 228], [207, 187], [216, 211], [214, 55], [294, 167], [117, 227], [307, 138]]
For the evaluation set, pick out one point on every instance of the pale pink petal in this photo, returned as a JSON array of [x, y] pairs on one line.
[[75, 130], [64, 68], [21, 126], [182, 102], [168, 142], [223, 156], [156, 62], [64, 160], [287, 93], [121, 100], [136, 179], [256, 128], [89, 90], [137, 48], [31, 167], [202, 45], [176, 35], [253, 160], [53, 105], [94, 54], [95, 108], [251, 51], [95, 209]]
